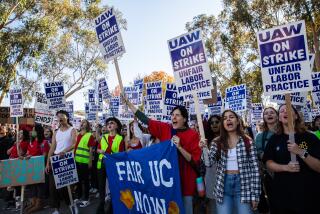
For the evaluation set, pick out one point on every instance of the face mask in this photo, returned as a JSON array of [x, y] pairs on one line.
[[34, 134]]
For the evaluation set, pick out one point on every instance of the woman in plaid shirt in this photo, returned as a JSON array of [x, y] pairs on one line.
[[238, 180]]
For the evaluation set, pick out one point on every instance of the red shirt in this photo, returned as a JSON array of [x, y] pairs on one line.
[[110, 142], [136, 146], [34, 148], [23, 148], [90, 143], [44, 147], [189, 141]]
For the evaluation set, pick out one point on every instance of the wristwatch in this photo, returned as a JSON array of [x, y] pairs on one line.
[[304, 154]]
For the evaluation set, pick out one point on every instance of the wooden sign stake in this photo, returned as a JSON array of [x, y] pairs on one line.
[[290, 125]]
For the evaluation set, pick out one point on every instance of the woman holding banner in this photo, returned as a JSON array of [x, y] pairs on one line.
[[238, 181], [63, 141], [38, 146], [186, 141], [295, 186], [110, 143]]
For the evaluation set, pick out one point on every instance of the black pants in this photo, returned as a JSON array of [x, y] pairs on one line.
[[83, 184], [57, 194], [102, 176], [94, 173]]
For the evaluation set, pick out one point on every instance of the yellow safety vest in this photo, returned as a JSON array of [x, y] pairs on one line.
[[82, 153], [317, 133], [104, 146]]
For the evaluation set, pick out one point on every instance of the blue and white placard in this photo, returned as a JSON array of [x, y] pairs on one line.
[[190, 65], [154, 99], [216, 108], [171, 100], [16, 103], [109, 36], [103, 88], [284, 57], [236, 98], [55, 95], [297, 98], [256, 112], [316, 88]]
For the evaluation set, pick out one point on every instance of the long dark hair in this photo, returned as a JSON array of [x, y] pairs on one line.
[[40, 132], [298, 126], [210, 135], [222, 140], [25, 135], [314, 123], [265, 126]]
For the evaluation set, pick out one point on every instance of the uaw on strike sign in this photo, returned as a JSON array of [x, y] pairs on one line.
[[284, 59], [190, 66], [109, 36]]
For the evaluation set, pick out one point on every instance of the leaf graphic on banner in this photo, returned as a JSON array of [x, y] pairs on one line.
[[173, 208], [127, 198]]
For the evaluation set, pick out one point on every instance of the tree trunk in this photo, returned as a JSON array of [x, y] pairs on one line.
[[5, 89]]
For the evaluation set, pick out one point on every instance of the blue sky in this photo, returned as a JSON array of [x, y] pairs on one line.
[[150, 24]]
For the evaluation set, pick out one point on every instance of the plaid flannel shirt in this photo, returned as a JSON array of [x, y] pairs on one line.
[[249, 172]]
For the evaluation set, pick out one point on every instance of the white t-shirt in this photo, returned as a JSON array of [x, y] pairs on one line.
[[63, 139]]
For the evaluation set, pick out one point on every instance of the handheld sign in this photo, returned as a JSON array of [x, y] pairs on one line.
[[110, 40], [217, 108], [64, 170], [55, 95], [285, 64], [154, 99], [297, 98], [139, 83], [69, 109], [256, 112], [16, 103], [91, 96], [236, 98], [16, 172], [109, 36], [316, 88], [171, 100], [103, 88], [114, 105], [190, 65], [145, 180], [42, 114]]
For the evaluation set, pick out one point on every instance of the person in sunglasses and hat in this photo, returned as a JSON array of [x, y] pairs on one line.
[[110, 143]]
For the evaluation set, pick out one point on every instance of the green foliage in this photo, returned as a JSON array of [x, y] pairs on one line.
[[48, 40], [231, 37]]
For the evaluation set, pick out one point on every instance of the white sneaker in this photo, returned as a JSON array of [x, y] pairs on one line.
[[56, 212], [84, 203], [94, 191], [97, 195]]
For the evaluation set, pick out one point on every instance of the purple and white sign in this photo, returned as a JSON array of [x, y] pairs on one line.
[[285, 64], [190, 65]]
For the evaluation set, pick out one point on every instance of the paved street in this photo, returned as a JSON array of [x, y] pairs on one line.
[[64, 210]]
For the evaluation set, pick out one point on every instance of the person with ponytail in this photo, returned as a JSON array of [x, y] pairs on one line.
[[295, 185], [63, 141], [237, 188]]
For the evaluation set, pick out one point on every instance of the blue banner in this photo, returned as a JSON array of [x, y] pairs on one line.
[[145, 180]]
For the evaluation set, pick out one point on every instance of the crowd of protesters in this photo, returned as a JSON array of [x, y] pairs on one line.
[[243, 172]]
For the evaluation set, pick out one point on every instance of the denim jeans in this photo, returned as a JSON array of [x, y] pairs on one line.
[[231, 197], [188, 206]]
